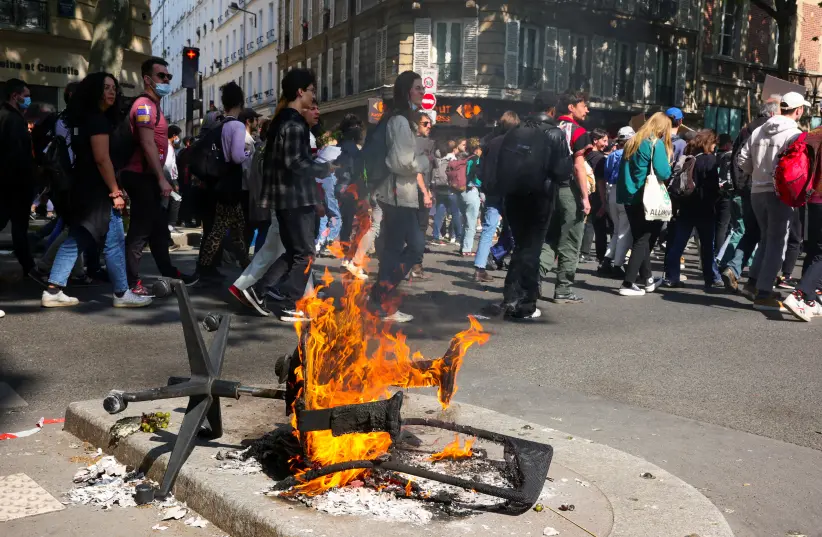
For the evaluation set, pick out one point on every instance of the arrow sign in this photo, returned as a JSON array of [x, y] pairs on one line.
[[429, 101]]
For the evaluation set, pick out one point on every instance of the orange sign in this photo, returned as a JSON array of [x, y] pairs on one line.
[[375, 110], [469, 110]]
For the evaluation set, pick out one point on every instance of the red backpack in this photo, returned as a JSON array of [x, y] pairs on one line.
[[457, 174], [792, 176]]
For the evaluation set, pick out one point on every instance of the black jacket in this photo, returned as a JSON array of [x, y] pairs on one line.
[[560, 164], [15, 149]]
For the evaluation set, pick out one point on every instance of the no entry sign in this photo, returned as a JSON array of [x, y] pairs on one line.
[[429, 101]]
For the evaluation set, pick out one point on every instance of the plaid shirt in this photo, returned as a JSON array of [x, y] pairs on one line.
[[289, 170]]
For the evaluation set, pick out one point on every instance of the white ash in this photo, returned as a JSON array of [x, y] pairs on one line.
[[239, 462], [363, 501]]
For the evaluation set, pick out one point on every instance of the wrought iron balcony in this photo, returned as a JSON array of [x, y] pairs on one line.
[[530, 77], [233, 55], [227, 60], [449, 73], [24, 14], [259, 40], [270, 34], [250, 46]]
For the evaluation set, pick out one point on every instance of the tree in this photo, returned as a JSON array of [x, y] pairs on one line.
[[112, 35]]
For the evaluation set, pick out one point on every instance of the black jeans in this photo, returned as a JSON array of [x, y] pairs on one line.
[[794, 245], [148, 224], [348, 211], [645, 235], [723, 223], [403, 246], [529, 218], [292, 269], [15, 207], [813, 244]]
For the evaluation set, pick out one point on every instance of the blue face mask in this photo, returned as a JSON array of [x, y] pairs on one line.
[[25, 104], [413, 106], [162, 89]]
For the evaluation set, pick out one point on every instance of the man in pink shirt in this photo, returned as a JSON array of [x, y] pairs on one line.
[[144, 181]]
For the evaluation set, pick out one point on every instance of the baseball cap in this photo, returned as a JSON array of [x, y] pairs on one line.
[[625, 133], [248, 113], [793, 100], [674, 113]]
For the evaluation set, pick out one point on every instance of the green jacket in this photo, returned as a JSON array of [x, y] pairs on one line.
[[634, 170]]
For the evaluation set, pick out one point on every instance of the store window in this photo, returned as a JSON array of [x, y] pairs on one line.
[[447, 51]]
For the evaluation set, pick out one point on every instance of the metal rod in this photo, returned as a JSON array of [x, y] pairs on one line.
[[267, 393]]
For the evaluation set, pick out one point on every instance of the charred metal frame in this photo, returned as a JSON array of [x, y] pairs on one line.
[[527, 462]]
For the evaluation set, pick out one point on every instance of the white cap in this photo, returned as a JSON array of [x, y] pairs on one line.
[[793, 100], [625, 133]]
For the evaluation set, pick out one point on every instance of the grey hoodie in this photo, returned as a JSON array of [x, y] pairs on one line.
[[759, 155]]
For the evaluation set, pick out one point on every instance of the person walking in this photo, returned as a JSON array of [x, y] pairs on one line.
[[648, 151], [256, 220], [398, 196], [17, 171], [93, 212], [596, 225], [621, 239], [699, 210], [350, 189], [677, 142], [447, 199], [470, 199], [144, 180], [425, 153], [758, 157]]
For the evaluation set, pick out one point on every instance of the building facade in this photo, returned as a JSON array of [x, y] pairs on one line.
[[235, 45], [46, 43]]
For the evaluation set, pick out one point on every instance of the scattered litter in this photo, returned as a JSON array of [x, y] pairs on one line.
[[567, 507], [582, 483], [124, 428], [538, 508], [647, 475], [746, 484], [728, 511], [33, 430], [794, 533], [569, 437], [155, 420], [527, 428], [197, 522], [239, 461], [557, 419], [596, 429], [174, 513], [105, 483], [549, 531], [158, 527]]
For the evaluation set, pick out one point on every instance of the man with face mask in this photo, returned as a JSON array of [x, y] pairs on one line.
[[17, 171], [172, 174], [145, 181]]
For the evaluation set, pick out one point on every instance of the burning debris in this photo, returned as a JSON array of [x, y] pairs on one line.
[[454, 451]]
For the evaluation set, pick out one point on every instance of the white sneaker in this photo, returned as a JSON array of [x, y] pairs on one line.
[[60, 300], [2, 314], [797, 307], [815, 309], [399, 317], [356, 271], [131, 300], [652, 285], [634, 290]]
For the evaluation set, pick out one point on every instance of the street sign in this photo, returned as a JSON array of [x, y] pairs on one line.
[[429, 79], [429, 101], [375, 110]]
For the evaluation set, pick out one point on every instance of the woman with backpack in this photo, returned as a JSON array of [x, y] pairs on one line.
[[94, 202], [649, 151], [697, 210], [397, 195]]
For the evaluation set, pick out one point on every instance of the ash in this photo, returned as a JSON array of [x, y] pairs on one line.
[[269, 453]]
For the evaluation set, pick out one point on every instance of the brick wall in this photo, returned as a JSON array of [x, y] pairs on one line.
[[759, 36], [810, 20]]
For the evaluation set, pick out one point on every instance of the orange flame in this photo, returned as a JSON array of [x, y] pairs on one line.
[[349, 357], [408, 488], [454, 451]]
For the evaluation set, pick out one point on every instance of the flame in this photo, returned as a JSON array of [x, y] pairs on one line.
[[349, 357], [408, 488], [454, 451]]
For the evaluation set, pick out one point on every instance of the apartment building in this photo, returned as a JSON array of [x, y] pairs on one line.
[[236, 44], [47, 43]]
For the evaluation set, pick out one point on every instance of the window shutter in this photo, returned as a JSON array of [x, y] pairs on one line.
[[549, 68], [422, 44], [683, 9], [358, 7], [294, 39], [319, 72], [694, 18], [639, 75], [343, 73], [470, 31], [344, 15], [355, 65], [382, 51], [511, 54], [281, 41], [563, 60], [332, 9], [609, 71], [651, 52], [308, 63], [681, 77], [310, 19], [598, 51], [330, 74]]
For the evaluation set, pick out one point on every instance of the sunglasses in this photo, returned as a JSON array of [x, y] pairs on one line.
[[164, 76]]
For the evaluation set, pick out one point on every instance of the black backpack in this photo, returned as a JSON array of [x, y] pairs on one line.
[[374, 152], [522, 160], [682, 184], [123, 142], [57, 170], [41, 135], [206, 160]]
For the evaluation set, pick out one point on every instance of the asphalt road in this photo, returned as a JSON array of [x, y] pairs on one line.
[[720, 395]]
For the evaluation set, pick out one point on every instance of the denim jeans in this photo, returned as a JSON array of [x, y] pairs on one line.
[[741, 256], [471, 207], [774, 219], [331, 223], [705, 224], [404, 243], [80, 239], [489, 227], [447, 201]]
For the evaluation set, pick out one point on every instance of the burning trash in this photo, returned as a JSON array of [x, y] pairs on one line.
[[454, 451]]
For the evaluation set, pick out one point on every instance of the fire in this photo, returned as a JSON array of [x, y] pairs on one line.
[[349, 357], [454, 451]]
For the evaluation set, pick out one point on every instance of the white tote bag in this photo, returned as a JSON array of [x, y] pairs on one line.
[[656, 200]]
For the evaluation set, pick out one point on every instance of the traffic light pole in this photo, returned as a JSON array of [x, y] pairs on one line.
[[189, 111]]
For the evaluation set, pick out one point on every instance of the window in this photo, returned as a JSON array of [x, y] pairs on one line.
[[233, 41], [580, 63], [530, 59], [625, 58], [447, 51], [242, 39], [727, 31], [259, 22], [665, 75], [271, 16], [271, 76], [250, 89], [220, 13], [260, 81], [221, 49]]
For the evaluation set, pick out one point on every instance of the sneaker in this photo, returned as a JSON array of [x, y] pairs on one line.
[[256, 302], [668, 284], [786, 283], [632, 290], [522, 316], [796, 306], [453, 240], [567, 298], [469, 254], [729, 280], [238, 294], [769, 304], [140, 290], [356, 271], [417, 273], [749, 291], [2, 314], [584, 259], [482, 276], [130, 300], [39, 276], [60, 300], [188, 279], [815, 308], [497, 310], [715, 286], [292, 315], [651, 285], [438, 242], [606, 268], [618, 273], [398, 317], [275, 294]]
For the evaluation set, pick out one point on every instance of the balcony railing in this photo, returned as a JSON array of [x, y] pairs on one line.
[[227, 60], [449, 73], [259, 40], [29, 14], [530, 77], [270, 34]]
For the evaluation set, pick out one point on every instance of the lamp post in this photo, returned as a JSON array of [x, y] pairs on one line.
[[236, 7]]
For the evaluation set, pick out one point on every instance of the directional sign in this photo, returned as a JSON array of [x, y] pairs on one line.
[[429, 101], [429, 79]]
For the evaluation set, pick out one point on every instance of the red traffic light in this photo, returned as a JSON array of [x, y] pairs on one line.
[[191, 54]]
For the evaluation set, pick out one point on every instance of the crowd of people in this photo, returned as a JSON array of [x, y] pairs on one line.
[[535, 195]]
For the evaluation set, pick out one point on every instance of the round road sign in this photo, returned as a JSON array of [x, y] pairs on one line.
[[429, 101], [428, 82]]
